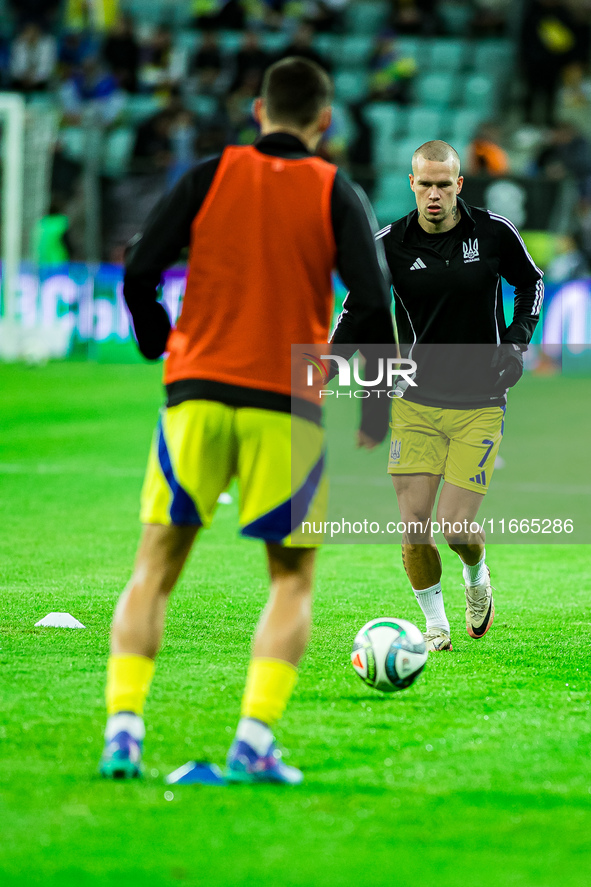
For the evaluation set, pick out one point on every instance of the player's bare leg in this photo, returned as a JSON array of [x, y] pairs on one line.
[[135, 640], [458, 507], [416, 498], [138, 623], [456, 513], [279, 643], [416, 495], [284, 626]]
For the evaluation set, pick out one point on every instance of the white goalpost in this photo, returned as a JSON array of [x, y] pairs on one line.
[[28, 139], [12, 118]]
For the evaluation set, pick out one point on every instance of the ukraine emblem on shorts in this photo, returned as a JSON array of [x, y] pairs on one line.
[[395, 449]]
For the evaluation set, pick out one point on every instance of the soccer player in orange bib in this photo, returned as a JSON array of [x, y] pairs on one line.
[[266, 225]]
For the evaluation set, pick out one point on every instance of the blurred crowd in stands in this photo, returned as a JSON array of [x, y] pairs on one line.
[[93, 58]]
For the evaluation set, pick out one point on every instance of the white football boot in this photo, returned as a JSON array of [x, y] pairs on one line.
[[480, 608], [437, 640]]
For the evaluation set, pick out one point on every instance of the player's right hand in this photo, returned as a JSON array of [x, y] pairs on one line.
[[365, 442]]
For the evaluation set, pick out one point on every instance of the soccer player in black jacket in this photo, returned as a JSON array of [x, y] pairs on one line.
[[447, 260]]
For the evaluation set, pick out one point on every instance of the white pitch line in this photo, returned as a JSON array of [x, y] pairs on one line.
[[48, 468], [357, 480], [533, 488], [550, 489]]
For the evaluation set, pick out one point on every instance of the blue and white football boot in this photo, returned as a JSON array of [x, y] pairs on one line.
[[244, 765], [122, 755]]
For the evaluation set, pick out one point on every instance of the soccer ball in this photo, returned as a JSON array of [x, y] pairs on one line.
[[389, 654]]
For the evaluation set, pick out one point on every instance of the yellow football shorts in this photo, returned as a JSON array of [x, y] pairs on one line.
[[199, 446], [460, 445]]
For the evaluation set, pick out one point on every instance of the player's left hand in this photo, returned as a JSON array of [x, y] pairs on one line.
[[151, 325], [507, 364], [364, 441]]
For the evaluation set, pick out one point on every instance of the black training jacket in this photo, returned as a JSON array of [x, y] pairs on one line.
[[447, 292]]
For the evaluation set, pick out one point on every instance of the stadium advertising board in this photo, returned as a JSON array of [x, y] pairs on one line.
[[77, 312], [83, 306]]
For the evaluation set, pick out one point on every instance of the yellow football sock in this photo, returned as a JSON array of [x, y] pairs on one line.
[[128, 682], [269, 684]]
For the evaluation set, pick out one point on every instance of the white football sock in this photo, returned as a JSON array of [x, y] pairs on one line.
[[258, 735], [476, 575], [125, 722], [430, 601]]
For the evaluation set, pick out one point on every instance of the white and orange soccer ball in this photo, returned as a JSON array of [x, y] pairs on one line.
[[389, 654]]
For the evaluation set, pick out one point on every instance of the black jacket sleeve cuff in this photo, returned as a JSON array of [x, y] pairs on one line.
[[151, 327], [375, 417]]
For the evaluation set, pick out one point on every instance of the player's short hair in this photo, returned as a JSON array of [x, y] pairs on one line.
[[295, 91], [437, 150]]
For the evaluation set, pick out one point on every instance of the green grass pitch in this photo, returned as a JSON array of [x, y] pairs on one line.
[[478, 775]]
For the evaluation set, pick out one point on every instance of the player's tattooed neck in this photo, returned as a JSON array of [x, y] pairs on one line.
[[454, 212]]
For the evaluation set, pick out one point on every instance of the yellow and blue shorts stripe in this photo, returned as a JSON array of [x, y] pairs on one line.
[[198, 448], [460, 445]]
